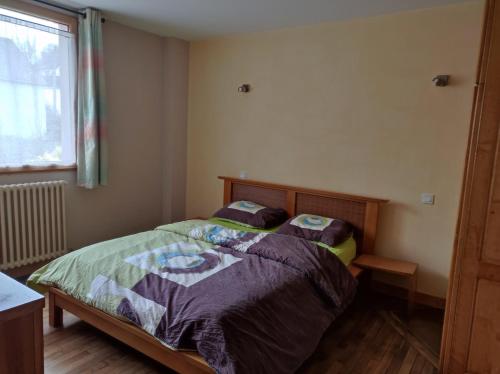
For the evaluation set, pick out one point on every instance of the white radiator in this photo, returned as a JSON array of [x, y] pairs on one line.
[[32, 223]]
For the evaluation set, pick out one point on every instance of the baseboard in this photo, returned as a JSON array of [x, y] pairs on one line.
[[402, 293]]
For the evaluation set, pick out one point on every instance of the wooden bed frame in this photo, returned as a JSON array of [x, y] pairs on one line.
[[362, 212]]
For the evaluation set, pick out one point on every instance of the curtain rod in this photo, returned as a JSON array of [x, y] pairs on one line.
[[71, 10]]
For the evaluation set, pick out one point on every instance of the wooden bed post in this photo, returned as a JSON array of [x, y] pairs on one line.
[[291, 199], [370, 227], [55, 312], [228, 191]]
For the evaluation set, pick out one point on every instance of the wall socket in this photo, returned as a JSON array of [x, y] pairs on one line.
[[427, 198], [243, 174]]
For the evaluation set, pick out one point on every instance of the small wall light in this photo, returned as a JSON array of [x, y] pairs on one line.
[[244, 88], [441, 80]]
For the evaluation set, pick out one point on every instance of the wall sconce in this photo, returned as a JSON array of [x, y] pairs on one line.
[[441, 80], [244, 88]]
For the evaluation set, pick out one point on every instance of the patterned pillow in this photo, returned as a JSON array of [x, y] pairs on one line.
[[317, 228], [253, 214]]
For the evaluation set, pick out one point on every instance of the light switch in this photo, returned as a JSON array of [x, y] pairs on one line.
[[243, 174], [427, 198]]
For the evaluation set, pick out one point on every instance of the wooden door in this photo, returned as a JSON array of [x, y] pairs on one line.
[[471, 336]]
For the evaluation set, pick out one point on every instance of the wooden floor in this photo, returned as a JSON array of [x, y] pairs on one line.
[[372, 340], [365, 340]]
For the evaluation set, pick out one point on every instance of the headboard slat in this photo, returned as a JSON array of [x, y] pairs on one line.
[[269, 197], [360, 211]]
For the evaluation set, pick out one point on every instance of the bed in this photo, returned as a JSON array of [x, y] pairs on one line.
[[361, 212]]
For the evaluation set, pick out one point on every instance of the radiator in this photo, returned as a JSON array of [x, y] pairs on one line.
[[32, 223]]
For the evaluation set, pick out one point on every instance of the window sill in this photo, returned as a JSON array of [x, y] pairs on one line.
[[36, 169]]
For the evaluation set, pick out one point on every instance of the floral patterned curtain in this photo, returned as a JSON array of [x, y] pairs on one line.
[[92, 158]]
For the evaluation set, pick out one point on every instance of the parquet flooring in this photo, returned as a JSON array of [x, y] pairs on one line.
[[366, 339]]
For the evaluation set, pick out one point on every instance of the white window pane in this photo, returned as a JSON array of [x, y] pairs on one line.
[[37, 20], [37, 71]]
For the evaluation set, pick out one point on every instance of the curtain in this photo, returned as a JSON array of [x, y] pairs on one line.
[[92, 158], [37, 92]]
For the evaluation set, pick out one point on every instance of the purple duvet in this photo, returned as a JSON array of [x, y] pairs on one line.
[[247, 302], [263, 314]]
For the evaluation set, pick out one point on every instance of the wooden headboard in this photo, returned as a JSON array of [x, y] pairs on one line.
[[361, 212]]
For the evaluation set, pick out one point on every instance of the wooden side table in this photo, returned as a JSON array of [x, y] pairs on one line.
[[405, 269], [21, 328]]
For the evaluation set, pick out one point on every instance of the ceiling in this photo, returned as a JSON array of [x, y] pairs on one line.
[[201, 19]]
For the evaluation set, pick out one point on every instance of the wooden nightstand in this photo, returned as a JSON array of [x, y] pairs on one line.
[[405, 269], [21, 328]]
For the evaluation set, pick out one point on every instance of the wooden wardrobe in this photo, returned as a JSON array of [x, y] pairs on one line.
[[471, 336]]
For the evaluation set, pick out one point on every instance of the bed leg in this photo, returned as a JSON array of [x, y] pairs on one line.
[[55, 312]]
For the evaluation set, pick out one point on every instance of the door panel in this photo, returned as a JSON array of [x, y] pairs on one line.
[[485, 342], [471, 335], [491, 251]]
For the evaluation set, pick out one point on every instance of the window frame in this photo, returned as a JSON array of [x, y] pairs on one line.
[[50, 15]]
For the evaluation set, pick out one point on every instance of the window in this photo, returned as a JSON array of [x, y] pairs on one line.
[[37, 90]]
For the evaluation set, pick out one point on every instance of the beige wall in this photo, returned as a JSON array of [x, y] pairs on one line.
[[347, 107], [132, 202], [175, 80]]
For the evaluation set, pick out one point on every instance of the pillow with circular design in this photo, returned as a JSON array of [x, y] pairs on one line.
[[329, 231], [252, 214]]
